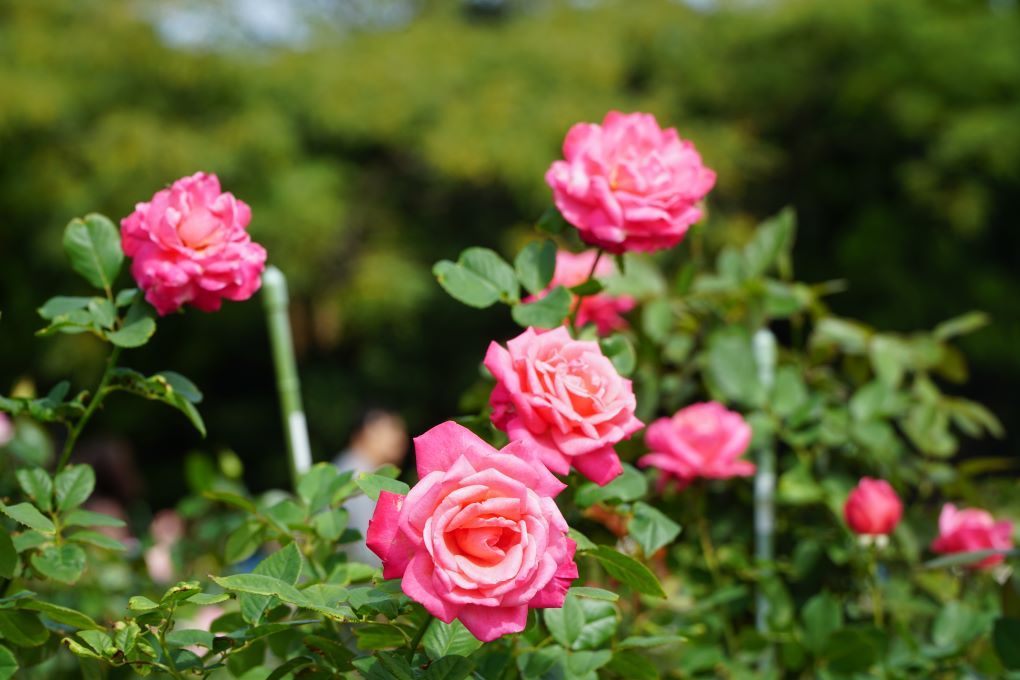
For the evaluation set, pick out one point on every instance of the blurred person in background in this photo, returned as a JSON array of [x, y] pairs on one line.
[[379, 438]]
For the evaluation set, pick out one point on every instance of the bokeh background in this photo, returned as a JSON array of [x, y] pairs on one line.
[[372, 138]]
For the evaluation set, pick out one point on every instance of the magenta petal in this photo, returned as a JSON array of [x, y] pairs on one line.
[[419, 585], [383, 526], [441, 446], [490, 623], [601, 466]]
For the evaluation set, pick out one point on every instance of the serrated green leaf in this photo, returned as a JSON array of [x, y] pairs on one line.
[[548, 312], [284, 564], [29, 515], [134, 334], [535, 265], [651, 528], [64, 563], [442, 639], [627, 570], [37, 484], [74, 484], [8, 664], [372, 484], [93, 246], [65, 615], [87, 518], [97, 539]]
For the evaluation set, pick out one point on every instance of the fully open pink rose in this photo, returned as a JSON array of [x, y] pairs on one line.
[[628, 184], [564, 397], [479, 537], [190, 246], [969, 530], [603, 309], [701, 440], [873, 508]]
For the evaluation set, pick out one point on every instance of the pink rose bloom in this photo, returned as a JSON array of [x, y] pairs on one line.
[[479, 538], [603, 310], [701, 440], [189, 246], [628, 184], [873, 508], [969, 530], [6, 430], [565, 398]]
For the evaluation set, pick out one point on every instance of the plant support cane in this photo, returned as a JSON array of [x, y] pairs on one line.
[[276, 300], [764, 479]]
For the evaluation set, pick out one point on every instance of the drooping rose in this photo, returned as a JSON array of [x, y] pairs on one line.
[[189, 245], [564, 397], [628, 184], [702, 440], [602, 309], [872, 508], [479, 537], [968, 530]]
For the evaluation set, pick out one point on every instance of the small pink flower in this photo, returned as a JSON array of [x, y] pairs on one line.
[[479, 538], [6, 430], [603, 309], [969, 530], [702, 440], [628, 184], [189, 245], [565, 398], [873, 508]]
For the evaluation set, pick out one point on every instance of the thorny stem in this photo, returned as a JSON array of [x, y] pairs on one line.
[[94, 402]]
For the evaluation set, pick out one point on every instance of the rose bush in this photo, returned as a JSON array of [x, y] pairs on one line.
[[530, 545]]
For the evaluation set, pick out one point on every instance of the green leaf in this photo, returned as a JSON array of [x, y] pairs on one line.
[[317, 486], [595, 593], [633, 666], [442, 639], [621, 352], [243, 542], [551, 222], [629, 486], [583, 664], [548, 312], [488, 265], [651, 529], [960, 325], [258, 584], [29, 515], [335, 653], [205, 599], [93, 246], [62, 306], [37, 484], [188, 637], [290, 666], [849, 336], [134, 334], [823, 615], [140, 603], [87, 518], [181, 386], [465, 286], [772, 240], [8, 664], [126, 297], [284, 564], [535, 265], [8, 556], [854, 649], [957, 625], [168, 387], [126, 636], [65, 615], [97, 539], [586, 288], [74, 485], [581, 623], [372, 484], [657, 319], [64, 563], [373, 636], [731, 366], [647, 641], [1006, 637], [102, 312], [627, 570], [22, 629], [451, 667]]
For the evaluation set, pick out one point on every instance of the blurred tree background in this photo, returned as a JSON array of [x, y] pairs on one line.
[[374, 138]]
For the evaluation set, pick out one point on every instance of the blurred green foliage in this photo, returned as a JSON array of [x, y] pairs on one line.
[[366, 156]]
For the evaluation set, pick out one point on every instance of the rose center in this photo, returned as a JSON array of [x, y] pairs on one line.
[[199, 229], [485, 545]]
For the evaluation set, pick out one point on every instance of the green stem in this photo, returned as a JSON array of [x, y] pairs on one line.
[[877, 605], [161, 636], [711, 561], [572, 319], [94, 402], [418, 637]]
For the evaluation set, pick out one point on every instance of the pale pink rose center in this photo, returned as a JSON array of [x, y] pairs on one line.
[[199, 229]]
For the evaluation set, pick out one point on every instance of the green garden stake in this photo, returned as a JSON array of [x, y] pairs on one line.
[[276, 299]]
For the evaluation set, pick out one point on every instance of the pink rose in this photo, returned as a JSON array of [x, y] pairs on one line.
[[872, 508], [603, 310], [969, 530], [564, 397], [628, 184], [190, 246], [6, 430], [701, 440], [479, 537]]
